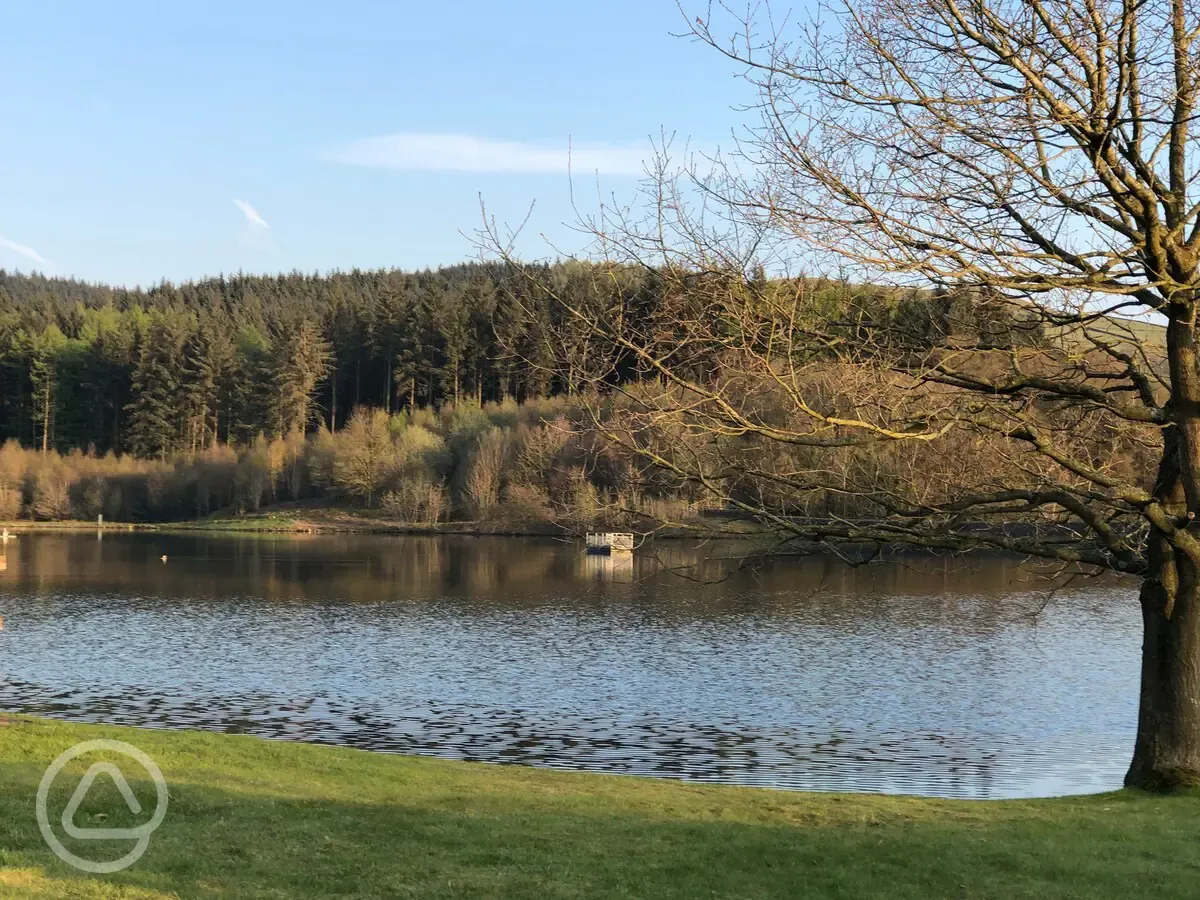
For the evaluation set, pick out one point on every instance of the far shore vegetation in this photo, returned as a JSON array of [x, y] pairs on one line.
[[532, 468], [194, 403]]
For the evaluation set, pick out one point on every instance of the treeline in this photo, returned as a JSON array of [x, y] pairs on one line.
[[181, 367], [528, 466], [541, 465], [184, 368]]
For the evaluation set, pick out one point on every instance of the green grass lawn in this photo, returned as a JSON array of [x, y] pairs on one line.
[[252, 818]]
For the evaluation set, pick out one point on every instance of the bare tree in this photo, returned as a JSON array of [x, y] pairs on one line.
[[1029, 161], [485, 471], [367, 455]]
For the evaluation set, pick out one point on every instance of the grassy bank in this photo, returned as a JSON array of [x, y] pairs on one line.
[[267, 524], [284, 519], [251, 818], [324, 518]]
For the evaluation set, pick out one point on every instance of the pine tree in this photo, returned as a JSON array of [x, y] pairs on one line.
[[109, 370], [199, 392], [300, 361], [44, 351], [250, 385], [412, 356], [390, 308], [450, 330], [156, 412]]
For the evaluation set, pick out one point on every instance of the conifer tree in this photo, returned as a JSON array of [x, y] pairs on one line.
[[44, 350], [412, 353], [251, 384], [198, 387], [156, 412], [300, 361], [389, 313]]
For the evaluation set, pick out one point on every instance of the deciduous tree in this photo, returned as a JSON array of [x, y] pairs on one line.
[[1035, 155]]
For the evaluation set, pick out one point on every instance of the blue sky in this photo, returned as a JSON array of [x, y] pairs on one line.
[[150, 140]]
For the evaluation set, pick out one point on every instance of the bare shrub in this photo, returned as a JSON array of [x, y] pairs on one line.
[[51, 493], [485, 472], [526, 504], [252, 476], [437, 503], [216, 468], [418, 501], [322, 451], [10, 503], [90, 503], [364, 456], [423, 452], [12, 478], [536, 451]]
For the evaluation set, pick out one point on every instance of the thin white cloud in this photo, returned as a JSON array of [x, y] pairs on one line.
[[27, 252], [251, 214], [419, 152]]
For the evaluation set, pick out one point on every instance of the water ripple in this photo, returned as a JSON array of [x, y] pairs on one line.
[[928, 681]]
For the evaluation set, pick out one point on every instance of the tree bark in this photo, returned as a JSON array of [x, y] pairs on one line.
[[388, 388], [1166, 755], [116, 423], [333, 402], [1167, 751], [46, 419]]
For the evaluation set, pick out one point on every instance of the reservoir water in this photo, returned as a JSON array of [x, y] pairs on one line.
[[960, 678]]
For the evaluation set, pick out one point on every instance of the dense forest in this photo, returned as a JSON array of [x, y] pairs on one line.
[[178, 367], [383, 388]]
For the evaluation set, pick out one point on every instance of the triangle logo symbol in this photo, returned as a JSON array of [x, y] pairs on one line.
[[85, 784]]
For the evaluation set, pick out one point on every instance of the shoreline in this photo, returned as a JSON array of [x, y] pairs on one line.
[[325, 520], [235, 527], [307, 521]]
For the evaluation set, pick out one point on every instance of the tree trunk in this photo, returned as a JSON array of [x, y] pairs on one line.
[[46, 420], [1167, 752], [116, 425], [388, 388]]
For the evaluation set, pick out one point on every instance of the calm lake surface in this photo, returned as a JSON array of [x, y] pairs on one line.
[[933, 677]]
